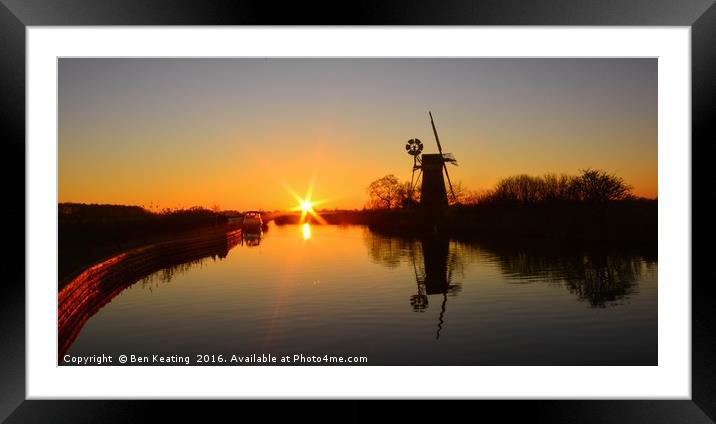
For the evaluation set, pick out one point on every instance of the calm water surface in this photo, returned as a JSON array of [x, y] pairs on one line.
[[347, 291]]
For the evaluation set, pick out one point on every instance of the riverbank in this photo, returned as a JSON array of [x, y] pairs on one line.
[[75, 258], [89, 233], [626, 221], [81, 296]]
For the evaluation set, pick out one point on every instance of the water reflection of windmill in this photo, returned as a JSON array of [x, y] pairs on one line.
[[430, 166], [434, 276]]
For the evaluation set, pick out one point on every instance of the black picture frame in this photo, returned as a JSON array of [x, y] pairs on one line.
[[16, 15]]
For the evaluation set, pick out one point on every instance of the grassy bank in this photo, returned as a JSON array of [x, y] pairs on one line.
[[613, 221], [89, 233]]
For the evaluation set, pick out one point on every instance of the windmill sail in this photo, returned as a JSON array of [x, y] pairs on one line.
[[449, 157]]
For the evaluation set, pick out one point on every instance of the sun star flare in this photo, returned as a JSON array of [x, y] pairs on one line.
[[306, 205]]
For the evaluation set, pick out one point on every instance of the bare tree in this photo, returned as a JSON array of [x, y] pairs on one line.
[[216, 209], [590, 186], [408, 196], [385, 193], [599, 186], [463, 195]]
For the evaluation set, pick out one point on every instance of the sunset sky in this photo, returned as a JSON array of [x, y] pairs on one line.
[[236, 132]]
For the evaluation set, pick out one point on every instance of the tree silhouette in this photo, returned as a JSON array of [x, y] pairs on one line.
[[599, 186], [385, 193], [590, 186], [463, 195]]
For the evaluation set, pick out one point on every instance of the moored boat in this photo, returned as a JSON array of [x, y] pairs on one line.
[[252, 221]]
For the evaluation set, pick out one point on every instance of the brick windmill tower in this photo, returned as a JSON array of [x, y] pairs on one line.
[[433, 195]]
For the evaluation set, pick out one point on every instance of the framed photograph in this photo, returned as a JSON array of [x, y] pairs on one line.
[[486, 203]]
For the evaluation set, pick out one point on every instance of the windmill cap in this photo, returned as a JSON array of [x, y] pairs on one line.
[[432, 157]]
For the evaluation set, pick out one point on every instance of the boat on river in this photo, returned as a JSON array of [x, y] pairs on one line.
[[252, 222]]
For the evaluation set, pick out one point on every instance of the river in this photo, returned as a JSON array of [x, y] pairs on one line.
[[347, 291]]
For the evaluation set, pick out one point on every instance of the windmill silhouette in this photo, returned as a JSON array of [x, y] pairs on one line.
[[433, 195]]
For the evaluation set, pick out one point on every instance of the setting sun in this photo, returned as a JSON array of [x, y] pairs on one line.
[[306, 204]]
